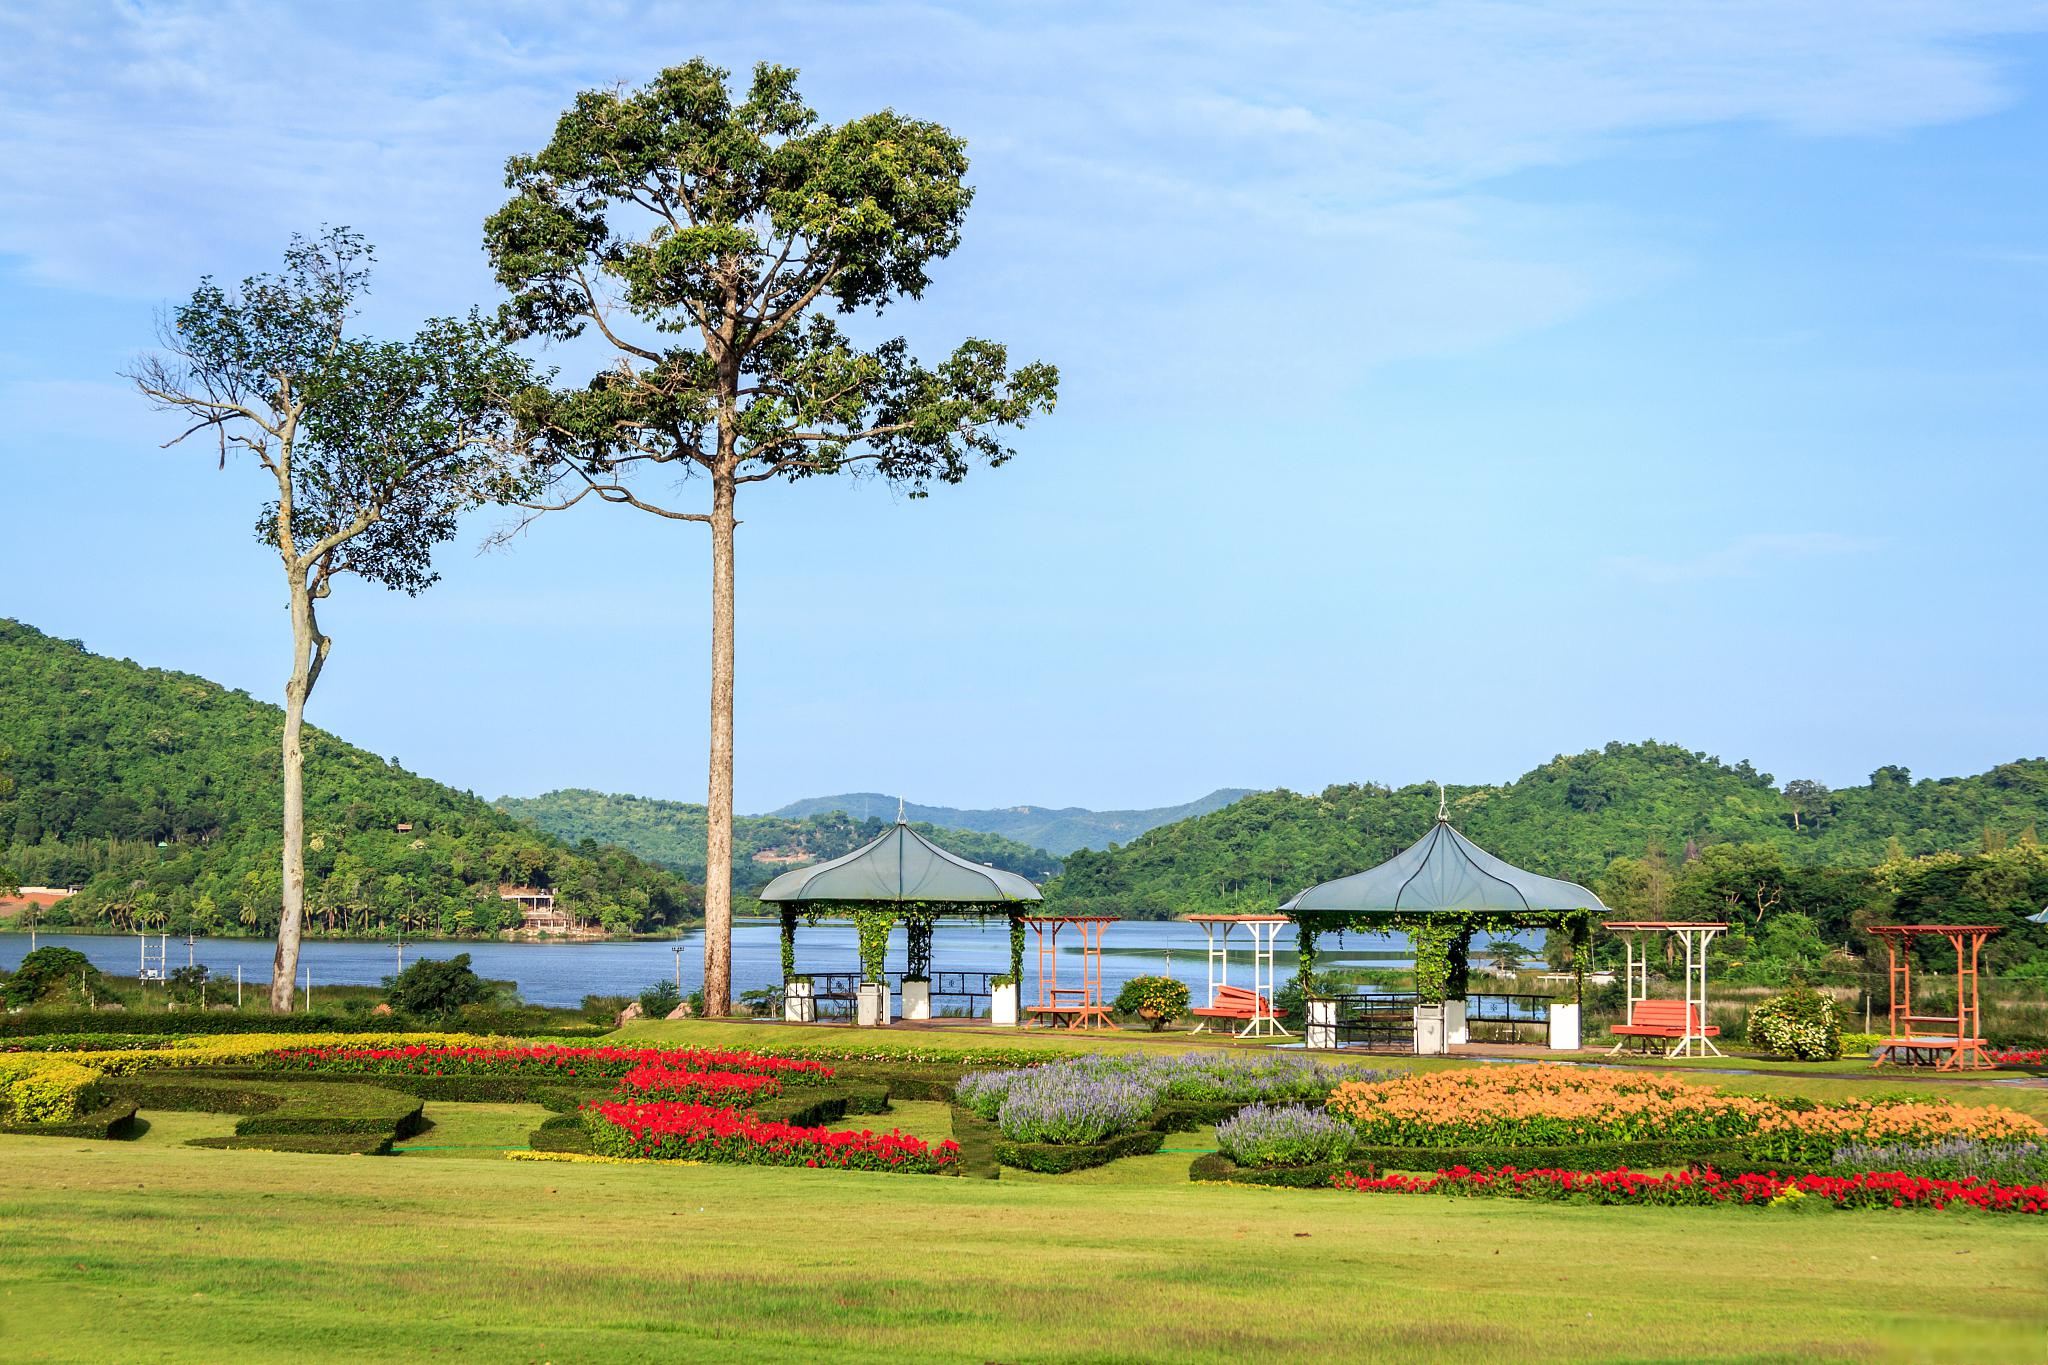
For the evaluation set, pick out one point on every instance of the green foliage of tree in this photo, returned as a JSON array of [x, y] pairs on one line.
[[372, 450], [672, 834], [707, 242], [50, 973], [437, 988], [158, 794], [659, 1000]]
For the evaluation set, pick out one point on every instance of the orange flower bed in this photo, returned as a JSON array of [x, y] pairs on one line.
[[1550, 1105]]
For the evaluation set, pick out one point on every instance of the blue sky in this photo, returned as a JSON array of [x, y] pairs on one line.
[[1445, 387]]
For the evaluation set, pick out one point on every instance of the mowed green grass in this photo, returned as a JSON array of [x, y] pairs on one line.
[[126, 1250]]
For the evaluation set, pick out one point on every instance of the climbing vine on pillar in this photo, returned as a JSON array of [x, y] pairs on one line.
[[1433, 941], [917, 926], [788, 942], [1017, 949], [871, 924]]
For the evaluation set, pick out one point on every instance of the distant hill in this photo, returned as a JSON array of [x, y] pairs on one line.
[[159, 792], [1569, 818], [672, 834], [1058, 831]]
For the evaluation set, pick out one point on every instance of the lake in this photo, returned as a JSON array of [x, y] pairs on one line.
[[563, 973]]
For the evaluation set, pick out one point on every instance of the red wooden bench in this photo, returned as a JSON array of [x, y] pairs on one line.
[[1661, 1019], [1233, 1002]]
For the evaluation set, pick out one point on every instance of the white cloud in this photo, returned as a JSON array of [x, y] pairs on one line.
[[1746, 557], [1219, 160]]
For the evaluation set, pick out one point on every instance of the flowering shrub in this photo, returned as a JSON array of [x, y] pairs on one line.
[[2017, 1056], [258, 1049], [606, 1063], [1801, 1024], [1222, 1077], [1551, 1105], [1876, 1189], [1058, 1104], [735, 1089], [40, 1088], [2006, 1163], [701, 1132], [1283, 1135], [1166, 998]]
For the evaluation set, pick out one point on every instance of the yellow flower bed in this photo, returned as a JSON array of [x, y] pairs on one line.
[[231, 1049], [45, 1088], [1550, 1105]]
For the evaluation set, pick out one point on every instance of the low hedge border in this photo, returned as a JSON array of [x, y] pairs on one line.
[[977, 1139], [1058, 1158], [562, 1133], [817, 1107], [1215, 1166], [544, 1090], [1187, 1116], [273, 1108], [183, 1024], [115, 1119], [331, 1144]]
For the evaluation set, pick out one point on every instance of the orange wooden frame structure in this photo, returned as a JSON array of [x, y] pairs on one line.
[[1079, 1006], [1965, 1048]]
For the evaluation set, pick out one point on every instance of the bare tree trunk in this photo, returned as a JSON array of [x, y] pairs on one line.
[[718, 815], [284, 966]]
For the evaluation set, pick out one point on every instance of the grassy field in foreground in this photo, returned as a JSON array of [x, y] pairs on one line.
[[124, 1249]]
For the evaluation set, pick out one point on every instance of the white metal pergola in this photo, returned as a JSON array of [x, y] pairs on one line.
[[1265, 934], [1694, 937]]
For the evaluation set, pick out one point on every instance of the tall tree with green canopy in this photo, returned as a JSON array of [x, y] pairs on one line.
[[707, 243], [373, 449]]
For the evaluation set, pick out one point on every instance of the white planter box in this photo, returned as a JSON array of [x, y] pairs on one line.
[[799, 1006], [1321, 1030], [1429, 1030], [917, 999], [1564, 1026], [1455, 1032], [874, 1004], [1002, 1006]]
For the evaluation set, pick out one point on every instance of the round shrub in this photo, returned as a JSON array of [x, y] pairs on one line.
[[1801, 1024], [1164, 998], [1284, 1135]]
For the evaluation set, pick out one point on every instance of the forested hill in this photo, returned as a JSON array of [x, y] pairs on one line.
[[1060, 831], [160, 793], [1570, 818], [672, 833]]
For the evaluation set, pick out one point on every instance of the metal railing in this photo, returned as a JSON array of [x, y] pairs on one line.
[[1508, 1014], [1379, 1022]]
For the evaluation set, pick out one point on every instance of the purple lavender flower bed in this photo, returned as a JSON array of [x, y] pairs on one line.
[[1092, 1098], [1284, 1135]]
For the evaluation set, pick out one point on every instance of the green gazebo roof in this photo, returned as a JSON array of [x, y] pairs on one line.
[[1444, 871], [901, 866]]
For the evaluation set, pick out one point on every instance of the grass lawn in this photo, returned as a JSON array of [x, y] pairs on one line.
[[206, 1255]]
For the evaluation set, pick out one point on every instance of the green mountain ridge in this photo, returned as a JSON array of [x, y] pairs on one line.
[[1571, 817], [1057, 830], [672, 833], [159, 794]]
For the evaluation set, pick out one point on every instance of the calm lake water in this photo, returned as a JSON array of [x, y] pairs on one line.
[[563, 973]]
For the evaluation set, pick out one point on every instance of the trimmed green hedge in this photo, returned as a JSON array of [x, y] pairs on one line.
[[115, 1119], [1188, 1116], [817, 1106], [527, 1023], [1214, 1166], [1057, 1158], [562, 1133], [333, 1144], [273, 1108], [977, 1138]]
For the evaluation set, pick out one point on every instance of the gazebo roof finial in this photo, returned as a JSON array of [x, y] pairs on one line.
[[1443, 806], [899, 811]]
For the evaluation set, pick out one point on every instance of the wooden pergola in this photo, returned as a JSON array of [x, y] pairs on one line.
[[1965, 1045], [1079, 1006]]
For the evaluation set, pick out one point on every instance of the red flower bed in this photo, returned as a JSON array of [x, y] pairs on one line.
[[2034, 1056], [702, 1132], [656, 1081], [608, 1063], [1875, 1189]]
